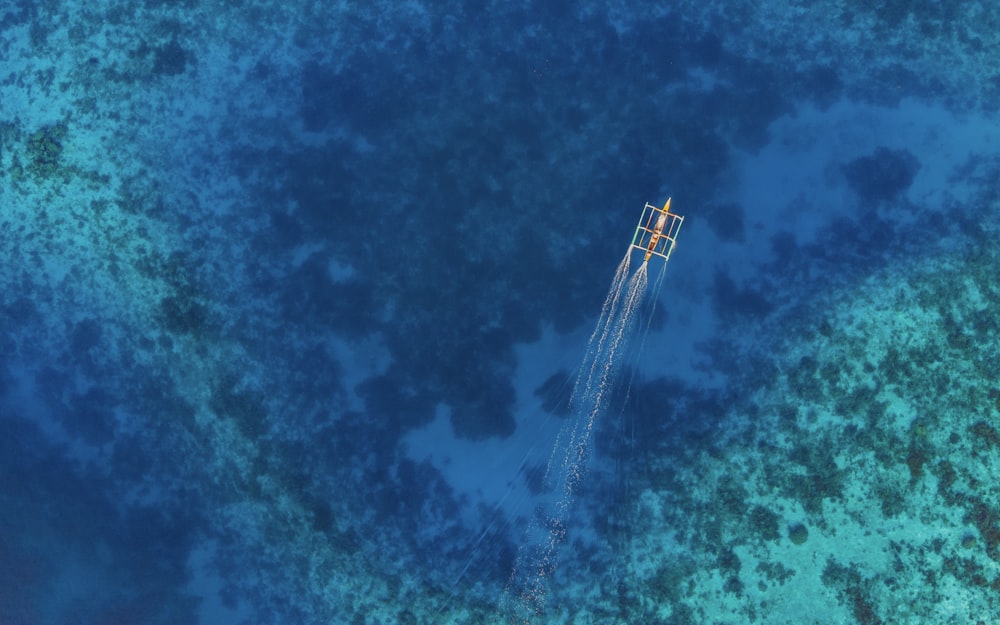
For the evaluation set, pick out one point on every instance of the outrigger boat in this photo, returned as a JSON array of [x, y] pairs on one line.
[[657, 238]]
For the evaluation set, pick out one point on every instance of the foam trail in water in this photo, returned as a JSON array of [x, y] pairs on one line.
[[600, 334], [527, 587]]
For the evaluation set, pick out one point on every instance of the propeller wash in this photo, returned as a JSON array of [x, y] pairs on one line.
[[655, 235]]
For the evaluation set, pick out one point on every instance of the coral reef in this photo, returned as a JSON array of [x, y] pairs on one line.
[[254, 250]]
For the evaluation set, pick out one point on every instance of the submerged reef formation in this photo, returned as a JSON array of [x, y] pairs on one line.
[[251, 249], [871, 447], [883, 176]]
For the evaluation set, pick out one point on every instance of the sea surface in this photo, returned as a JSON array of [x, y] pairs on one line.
[[326, 312]]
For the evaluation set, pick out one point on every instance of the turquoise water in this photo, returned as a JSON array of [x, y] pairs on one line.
[[295, 295]]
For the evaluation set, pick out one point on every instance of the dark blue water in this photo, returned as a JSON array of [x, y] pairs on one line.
[[294, 298]]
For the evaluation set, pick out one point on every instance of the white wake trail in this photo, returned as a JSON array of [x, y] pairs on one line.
[[527, 588]]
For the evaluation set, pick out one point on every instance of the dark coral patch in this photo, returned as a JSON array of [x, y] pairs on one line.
[[882, 176], [731, 300], [726, 221], [170, 59], [45, 149], [555, 392]]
